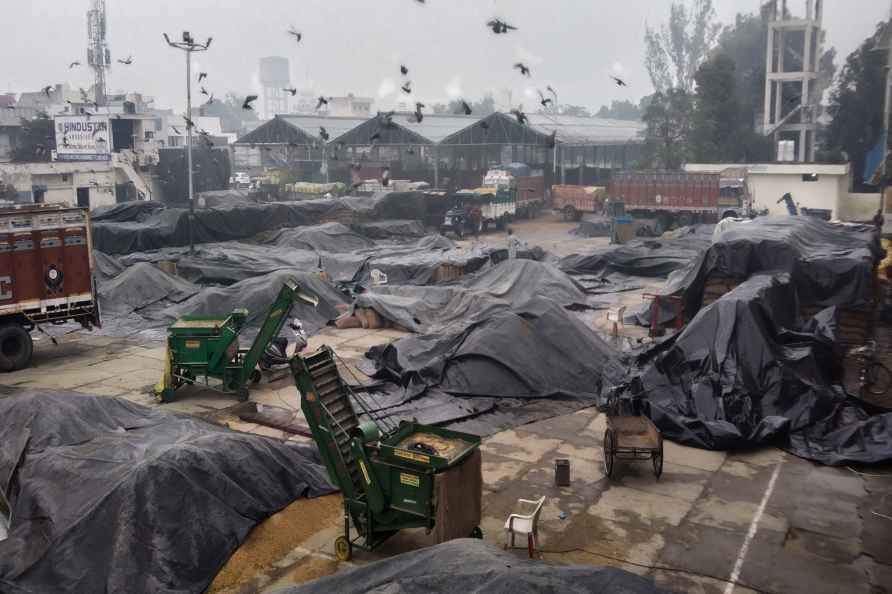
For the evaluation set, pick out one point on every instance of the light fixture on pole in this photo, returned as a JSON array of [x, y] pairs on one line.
[[188, 45]]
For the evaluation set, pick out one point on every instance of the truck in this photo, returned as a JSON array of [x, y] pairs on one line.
[[573, 201], [527, 185], [477, 210], [672, 198], [46, 276]]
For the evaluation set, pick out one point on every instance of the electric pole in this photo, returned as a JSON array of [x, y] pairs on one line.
[[189, 46]]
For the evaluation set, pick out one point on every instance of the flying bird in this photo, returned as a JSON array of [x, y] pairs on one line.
[[386, 119], [73, 64], [204, 91], [211, 99], [320, 102], [524, 70], [385, 177], [47, 89], [550, 141], [207, 43], [375, 136], [403, 70], [296, 34], [499, 26], [419, 117], [465, 108], [128, 61], [407, 88], [552, 91], [84, 96], [189, 122], [521, 117], [543, 99], [202, 76], [293, 91], [248, 101], [619, 82], [323, 133], [485, 125], [176, 131]]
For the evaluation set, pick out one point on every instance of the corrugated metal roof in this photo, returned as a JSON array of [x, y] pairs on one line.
[[435, 127], [335, 126], [587, 131]]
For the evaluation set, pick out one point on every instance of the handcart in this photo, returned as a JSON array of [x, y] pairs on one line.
[[631, 436]]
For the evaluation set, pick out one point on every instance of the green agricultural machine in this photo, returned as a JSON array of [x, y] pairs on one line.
[[387, 474], [205, 349]]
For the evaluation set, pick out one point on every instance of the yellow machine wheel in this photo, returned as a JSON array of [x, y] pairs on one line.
[[343, 549]]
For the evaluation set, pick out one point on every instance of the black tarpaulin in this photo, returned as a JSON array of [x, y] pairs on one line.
[[510, 284], [328, 237], [829, 263], [393, 229], [257, 294], [140, 286], [468, 566], [745, 373], [538, 351], [110, 496]]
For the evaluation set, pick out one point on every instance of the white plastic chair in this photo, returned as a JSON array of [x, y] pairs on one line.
[[525, 524]]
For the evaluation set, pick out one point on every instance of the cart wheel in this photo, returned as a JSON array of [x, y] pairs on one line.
[[343, 548], [657, 459], [255, 376], [609, 452], [242, 394], [477, 533]]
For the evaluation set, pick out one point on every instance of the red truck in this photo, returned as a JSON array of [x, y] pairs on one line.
[[46, 275], [678, 198], [665, 197]]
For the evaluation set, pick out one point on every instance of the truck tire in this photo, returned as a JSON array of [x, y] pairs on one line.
[[569, 214], [16, 347]]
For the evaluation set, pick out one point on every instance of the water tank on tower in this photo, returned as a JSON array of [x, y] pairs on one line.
[[275, 75]]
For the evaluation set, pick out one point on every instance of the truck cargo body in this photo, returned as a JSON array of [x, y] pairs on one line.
[[46, 275], [674, 197], [573, 201], [530, 195]]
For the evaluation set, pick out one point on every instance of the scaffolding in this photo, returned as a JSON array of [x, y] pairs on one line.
[[791, 75]]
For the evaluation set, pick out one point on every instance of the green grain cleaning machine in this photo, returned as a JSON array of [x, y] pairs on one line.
[[391, 477], [205, 349]]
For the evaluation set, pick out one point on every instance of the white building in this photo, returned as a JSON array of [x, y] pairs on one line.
[[72, 184], [350, 106], [812, 185]]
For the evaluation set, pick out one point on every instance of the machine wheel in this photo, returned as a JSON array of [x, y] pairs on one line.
[[343, 548], [242, 394], [477, 533], [609, 452], [16, 347], [255, 376], [657, 459]]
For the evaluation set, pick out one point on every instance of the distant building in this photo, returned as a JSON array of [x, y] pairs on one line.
[[275, 76], [350, 106]]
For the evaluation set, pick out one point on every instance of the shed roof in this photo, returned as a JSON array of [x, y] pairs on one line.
[[588, 131], [298, 129]]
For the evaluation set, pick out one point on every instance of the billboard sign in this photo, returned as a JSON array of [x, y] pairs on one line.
[[83, 138]]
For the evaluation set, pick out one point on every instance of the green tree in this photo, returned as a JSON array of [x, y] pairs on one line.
[[667, 138], [716, 124], [36, 140], [620, 110], [856, 106], [675, 50]]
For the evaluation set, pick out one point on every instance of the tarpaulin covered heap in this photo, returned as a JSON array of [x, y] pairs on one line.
[[467, 566], [161, 500], [745, 372], [148, 225], [829, 263]]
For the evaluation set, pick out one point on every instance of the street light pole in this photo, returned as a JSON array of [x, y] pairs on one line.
[[189, 46]]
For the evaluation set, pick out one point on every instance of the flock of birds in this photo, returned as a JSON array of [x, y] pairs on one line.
[[385, 119]]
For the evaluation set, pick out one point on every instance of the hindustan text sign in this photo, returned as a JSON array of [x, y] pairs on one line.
[[82, 138]]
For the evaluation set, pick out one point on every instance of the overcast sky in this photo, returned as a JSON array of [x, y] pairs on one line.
[[357, 45]]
